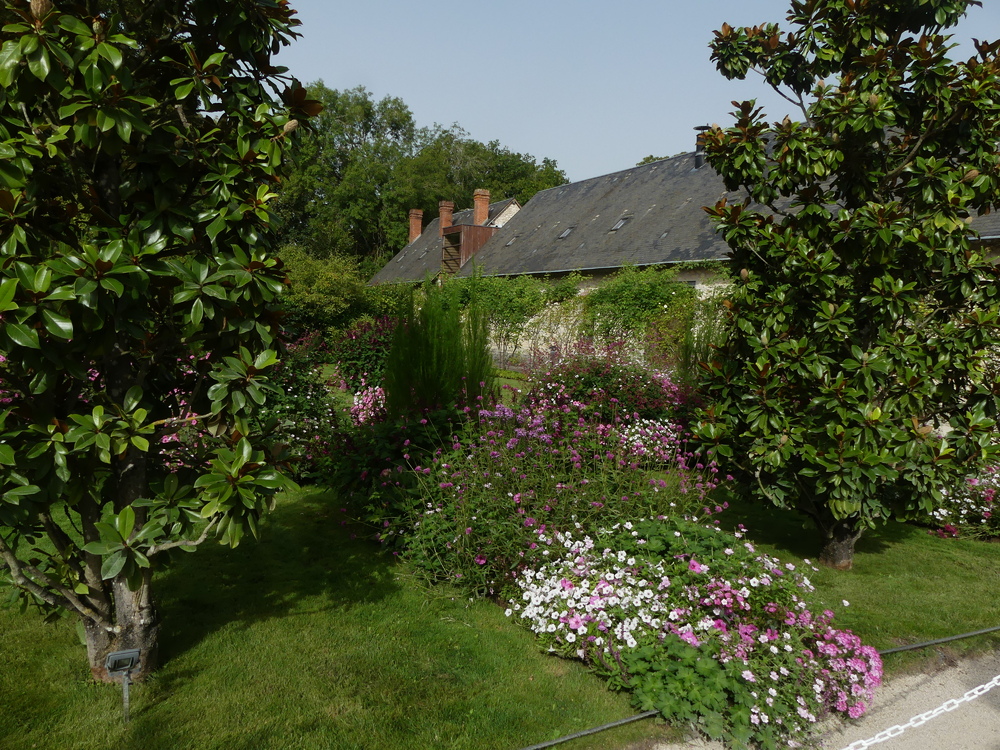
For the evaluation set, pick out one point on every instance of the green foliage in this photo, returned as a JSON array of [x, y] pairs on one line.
[[649, 160], [634, 303], [705, 333], [861, 308], [302, 414], [565, 288], [323, 293], [139, 150], [361, 350], [438, 357], [368, 163], [509, 303], [338, 199]]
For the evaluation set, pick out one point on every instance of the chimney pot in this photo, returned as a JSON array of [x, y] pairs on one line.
[[699, 149], [445, 210], [416, 223], [480, 207]]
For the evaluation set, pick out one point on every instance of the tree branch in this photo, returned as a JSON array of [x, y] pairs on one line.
[[800, 102], [157, 549], [27, 577], [891, 177]]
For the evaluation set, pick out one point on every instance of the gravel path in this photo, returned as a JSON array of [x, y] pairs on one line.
[[973, 725]]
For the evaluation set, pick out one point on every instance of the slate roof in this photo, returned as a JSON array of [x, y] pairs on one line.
[[422, 257], [988, 226], [661, 204]]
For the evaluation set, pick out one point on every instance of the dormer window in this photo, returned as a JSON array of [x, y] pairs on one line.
[[620, 223]]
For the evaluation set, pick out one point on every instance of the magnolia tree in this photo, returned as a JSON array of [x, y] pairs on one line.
[[850, 387], [140, 145]]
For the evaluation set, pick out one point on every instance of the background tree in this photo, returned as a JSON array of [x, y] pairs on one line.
[[861, 309], [337, 200], [368, 164], [141, 144]]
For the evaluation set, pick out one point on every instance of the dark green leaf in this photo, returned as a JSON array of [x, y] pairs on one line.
[[21, 335], [112, 565]]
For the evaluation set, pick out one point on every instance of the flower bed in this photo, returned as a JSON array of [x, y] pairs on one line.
[[969, 510], [545, 467], [697, 626], [536, 508]]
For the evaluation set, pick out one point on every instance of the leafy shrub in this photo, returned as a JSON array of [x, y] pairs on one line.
[[566, 288], [632, 300], [697, 626], [361, 350], [369, 463], [322, 293], [508, 303], [301, 415]]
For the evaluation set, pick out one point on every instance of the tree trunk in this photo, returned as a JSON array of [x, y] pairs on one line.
[[137, 626], [841, 537]]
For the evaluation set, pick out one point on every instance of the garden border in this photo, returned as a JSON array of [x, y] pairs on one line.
[[951, 704]]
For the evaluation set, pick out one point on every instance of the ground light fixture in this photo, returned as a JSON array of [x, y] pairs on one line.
[[123, 663]]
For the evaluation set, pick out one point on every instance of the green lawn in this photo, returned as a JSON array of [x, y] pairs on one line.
[[308, 639], [907, 586]]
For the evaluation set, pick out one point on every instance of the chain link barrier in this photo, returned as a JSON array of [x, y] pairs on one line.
[[916, 721]]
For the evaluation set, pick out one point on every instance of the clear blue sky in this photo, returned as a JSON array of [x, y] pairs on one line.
[[593, 84]]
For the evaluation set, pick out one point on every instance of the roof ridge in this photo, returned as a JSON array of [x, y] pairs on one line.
[[620, 171]]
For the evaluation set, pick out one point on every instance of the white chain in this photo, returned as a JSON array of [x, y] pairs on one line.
[[919, 719]]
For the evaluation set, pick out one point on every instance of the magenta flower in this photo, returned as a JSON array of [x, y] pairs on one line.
[[689, 637]]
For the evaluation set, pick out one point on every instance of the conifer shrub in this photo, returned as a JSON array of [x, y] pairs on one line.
[[438, 357]]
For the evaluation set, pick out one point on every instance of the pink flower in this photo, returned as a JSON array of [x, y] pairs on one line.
[[696, 567], [480, 559], [689, 637]]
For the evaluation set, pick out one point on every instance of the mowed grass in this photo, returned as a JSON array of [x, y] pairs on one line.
[[308, 639], [906, 587], [312, 639]]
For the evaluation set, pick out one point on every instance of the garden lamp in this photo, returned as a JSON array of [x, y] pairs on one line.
[[122, 663]]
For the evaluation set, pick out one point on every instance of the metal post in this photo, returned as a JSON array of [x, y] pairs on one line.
[[125, 683]]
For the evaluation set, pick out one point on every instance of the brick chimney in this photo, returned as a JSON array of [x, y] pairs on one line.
[[480, 207], [445, 210], [416, 223]]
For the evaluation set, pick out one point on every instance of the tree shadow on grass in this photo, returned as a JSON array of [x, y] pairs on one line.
[[304, 558], [795, 533]]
